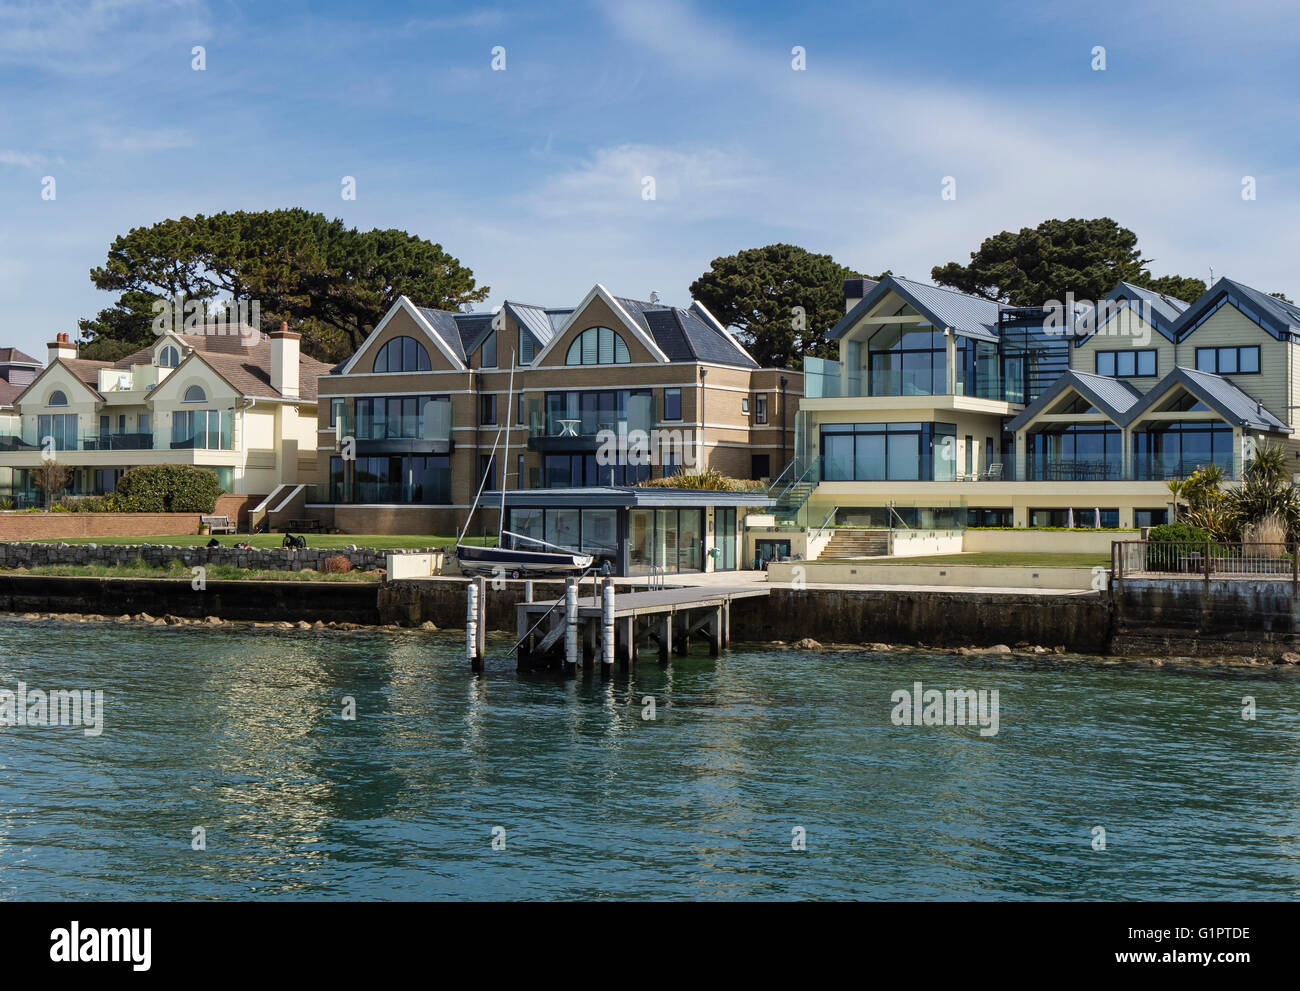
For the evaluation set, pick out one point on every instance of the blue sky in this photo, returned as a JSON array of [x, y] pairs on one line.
[[533, 176]]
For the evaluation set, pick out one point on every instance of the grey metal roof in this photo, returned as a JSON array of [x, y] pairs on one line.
[[534, 319], [685, 336], [1280, 319], [608, 496], [1113, 397], [444, 322], [1218, 393], [968, 316], [472, 328]]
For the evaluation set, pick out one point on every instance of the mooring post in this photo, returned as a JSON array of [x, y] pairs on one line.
[[481, 582], [629, 641], [607, 627], [666, 638], [571, 622], [726, 624], [471, 628], [715, 633], [528, 591]]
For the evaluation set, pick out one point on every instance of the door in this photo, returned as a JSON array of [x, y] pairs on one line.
[[725, 539]]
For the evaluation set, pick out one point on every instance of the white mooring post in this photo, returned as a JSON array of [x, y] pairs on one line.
[[607, 626], [571, 622], [481, 582], [471, 627]]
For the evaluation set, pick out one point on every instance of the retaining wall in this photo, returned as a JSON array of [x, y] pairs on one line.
[[21, 555], [56, 526], [1193, 617]]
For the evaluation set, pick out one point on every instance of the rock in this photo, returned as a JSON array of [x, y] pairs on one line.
[[143, 617], [428, 625], [303, 625], [213, 620], [1290, 657], [318, 625], [807, 643], [999, 648], [124, 618]]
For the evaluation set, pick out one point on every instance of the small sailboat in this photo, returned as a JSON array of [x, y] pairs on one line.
[[513, 561]]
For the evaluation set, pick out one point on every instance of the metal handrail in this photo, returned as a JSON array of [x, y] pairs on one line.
[[894, 514], [558, 602], [823, 528]]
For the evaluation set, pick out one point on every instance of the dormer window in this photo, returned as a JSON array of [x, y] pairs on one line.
[[57, 398], [169, 357], [195, 394]]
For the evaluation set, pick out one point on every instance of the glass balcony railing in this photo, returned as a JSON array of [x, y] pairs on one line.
[[1073, 470], [218, 438], [1162, 469], [588, 423]]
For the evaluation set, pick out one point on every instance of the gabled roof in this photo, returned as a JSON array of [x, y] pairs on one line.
[[1280, 319], [533, 319], [1219, 394], [629, 317], [12, 356], [85, 371], [1163, 310], [967, 315], [1113, 397], [444, 322], [423, 320], [249, 372]]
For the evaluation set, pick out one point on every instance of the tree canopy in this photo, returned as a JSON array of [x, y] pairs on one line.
[[332, 283], [782, 298], [1037, 264]]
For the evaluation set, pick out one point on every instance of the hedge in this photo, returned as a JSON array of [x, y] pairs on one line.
[[167, 489]]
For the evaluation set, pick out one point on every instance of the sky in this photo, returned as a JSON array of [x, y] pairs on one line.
[[533, 176]]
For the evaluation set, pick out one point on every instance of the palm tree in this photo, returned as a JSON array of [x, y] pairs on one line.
[[1175, 487]]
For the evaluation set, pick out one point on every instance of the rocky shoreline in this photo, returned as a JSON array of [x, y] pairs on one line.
[[145, 619]]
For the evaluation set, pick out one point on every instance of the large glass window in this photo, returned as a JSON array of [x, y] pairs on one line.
[[907, 360], [488, 352], [1126, 364], [1079, 452], [872, 452], [401, 479], [402, 354], [1228, 360], [585, 414], [978, 369], [563, 471], [1176, 449], [597, 346], [391, 417], [202, 429], [1032, 359], [60, 426]]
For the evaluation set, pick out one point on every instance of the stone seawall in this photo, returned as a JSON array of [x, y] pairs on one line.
[[1077, 622], [14, 555], [1196, 618], [264, 601]]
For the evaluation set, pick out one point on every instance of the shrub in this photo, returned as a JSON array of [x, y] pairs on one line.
[[1178, 532], [168, 489], [336, 564], [707, 478], [6, 503]]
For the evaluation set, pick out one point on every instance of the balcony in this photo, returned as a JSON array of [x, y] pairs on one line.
[[581, 430], [429, 432]]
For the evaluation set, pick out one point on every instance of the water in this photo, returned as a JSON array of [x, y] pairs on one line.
[[240, 732]]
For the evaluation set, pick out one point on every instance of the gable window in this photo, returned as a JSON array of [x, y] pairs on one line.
[[672, 404], [57, 398], [598, 346], [488, 353], [202, 429], [169, 357], [402, 354], [1126, 364], [195, 394], [1228, 361]]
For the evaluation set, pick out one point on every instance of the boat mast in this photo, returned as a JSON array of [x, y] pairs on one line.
[[505, 461]]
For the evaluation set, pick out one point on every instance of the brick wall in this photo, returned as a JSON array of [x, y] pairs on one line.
[[40, 526]]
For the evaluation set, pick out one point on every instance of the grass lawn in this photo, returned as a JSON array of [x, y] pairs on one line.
[[1004, 559], [264, 540]]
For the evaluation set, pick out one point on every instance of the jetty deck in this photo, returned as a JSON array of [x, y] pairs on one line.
[[618, 624]]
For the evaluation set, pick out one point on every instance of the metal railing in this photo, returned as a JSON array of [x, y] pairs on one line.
[[1205, 559]]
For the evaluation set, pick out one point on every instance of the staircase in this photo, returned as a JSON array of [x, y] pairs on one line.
[[792, 489], [856, 543]]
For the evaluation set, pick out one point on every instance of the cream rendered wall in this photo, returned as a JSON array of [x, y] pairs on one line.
[[80, 401]]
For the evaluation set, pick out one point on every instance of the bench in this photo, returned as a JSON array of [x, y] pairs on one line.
[[303, 526], [217, 524]]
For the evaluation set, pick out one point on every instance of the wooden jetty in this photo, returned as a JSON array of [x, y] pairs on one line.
[[614, 625]]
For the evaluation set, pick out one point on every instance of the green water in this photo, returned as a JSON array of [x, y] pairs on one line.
[[240, 732]]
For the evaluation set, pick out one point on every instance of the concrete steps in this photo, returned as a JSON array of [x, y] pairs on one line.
[[856, 543]]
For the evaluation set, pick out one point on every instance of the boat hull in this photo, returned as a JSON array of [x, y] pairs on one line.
[[495, 560]]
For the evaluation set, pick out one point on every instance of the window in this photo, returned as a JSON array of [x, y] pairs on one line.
[[202, 429], [487, 409], [57, 398], [874, 452], [1126, 364], [744, 406], [1150, 517], [1083, 518], [1228, 361], [760, 409], [402, 354], [1075, 453], [908, 360], [392, 479], [390, 417], [336, 411], [62, 427], [195, 394], [169, 357], [519, 476], [521, 410], [142, 423], [760, 466], [672, 404], [988, 517], [527, 347], [487, 468], [488, 352], [597, 346]]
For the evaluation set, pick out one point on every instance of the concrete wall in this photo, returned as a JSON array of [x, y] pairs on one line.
[[913, 543], [1045, 541], [1193, 617], [960, 575]]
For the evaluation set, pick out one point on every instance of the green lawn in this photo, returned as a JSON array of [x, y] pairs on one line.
[[995, 558], [263, 540]]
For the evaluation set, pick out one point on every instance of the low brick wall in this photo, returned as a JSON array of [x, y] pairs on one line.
[[158, 555], [41, 526]]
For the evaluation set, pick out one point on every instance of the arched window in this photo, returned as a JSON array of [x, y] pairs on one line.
[[169, 357], [57, 398], [597, 346], [402, 354], [195, 394]]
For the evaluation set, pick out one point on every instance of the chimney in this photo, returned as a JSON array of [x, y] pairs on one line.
[[61, 347], [855, 290], [284, 361]]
